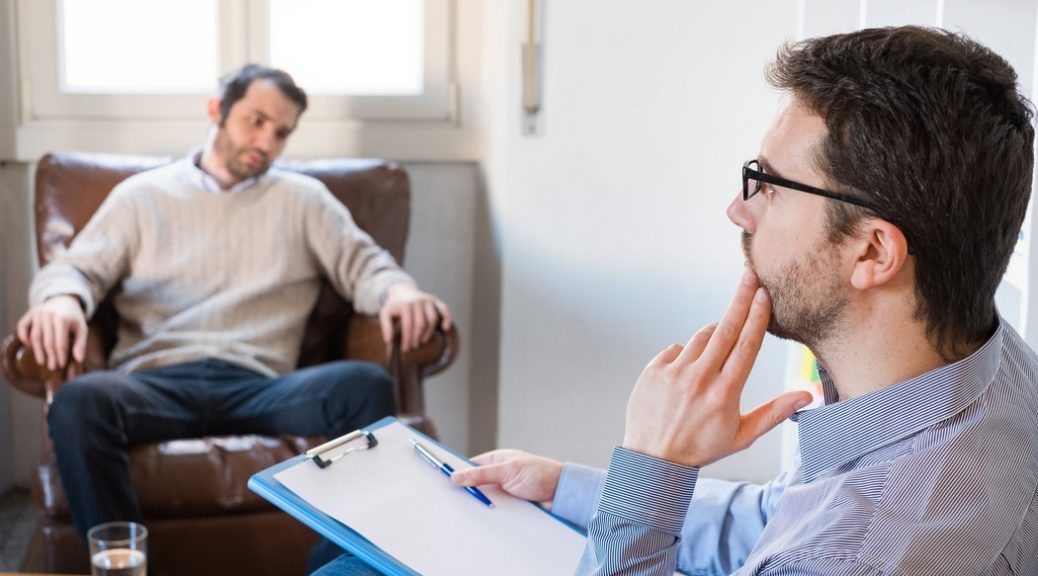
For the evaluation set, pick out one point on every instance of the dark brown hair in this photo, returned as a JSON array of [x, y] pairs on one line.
[[928, 126], [234, 84]]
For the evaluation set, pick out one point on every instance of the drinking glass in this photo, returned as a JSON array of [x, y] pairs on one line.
[[118, 549]]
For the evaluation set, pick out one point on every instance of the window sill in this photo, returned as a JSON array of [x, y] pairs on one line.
[[419, 141]]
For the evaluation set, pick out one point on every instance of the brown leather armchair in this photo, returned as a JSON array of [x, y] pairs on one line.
[[202, 518]]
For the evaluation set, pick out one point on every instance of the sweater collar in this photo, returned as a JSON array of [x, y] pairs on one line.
[[201, 179]]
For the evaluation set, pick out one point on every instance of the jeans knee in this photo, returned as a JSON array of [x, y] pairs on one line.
[[80, 402], [375, 383], [363, 386]]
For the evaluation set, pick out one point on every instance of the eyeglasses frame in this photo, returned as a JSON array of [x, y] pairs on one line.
[[758, 176]]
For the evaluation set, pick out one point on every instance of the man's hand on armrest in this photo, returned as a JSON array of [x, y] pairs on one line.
[[518, 473], [418, 311], [48, 328]]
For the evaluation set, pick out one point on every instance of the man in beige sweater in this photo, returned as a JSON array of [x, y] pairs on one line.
[[218, 260]]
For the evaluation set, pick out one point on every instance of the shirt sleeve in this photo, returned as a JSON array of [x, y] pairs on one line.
[[97, 258], [638, 523], [823, 567], [632, 514], [576, 496]]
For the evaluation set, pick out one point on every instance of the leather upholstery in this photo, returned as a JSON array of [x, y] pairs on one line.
[[190, 488]]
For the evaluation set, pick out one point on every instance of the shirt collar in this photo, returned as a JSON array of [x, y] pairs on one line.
[[200, 179], [842, 431]]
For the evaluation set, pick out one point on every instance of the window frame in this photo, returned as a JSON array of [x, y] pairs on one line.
[[241, 26]]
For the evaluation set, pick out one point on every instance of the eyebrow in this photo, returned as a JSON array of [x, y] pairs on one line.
[[267, 117], [767, 168]]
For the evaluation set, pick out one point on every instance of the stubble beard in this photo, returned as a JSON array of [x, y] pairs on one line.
[[243, 172], [807, 299], [231, 154]]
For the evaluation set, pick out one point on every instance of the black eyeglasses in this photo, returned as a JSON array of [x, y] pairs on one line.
[[751, 171]]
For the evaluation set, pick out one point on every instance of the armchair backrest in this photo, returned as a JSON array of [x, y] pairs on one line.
[[71, 186]]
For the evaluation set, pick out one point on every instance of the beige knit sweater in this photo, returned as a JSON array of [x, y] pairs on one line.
[[204, 273]]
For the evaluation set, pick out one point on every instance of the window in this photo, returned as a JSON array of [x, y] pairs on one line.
[[303, 35], [129, 46], [160, 59]]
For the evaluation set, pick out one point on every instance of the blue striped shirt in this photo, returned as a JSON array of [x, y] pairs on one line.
[[935, 475]]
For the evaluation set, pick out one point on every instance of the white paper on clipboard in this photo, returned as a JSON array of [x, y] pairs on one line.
[[415, 513]]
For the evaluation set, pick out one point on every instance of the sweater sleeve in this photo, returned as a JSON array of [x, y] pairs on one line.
[[358, 268], [97, 258]]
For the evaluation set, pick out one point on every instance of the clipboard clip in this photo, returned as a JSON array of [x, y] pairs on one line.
[[327, 453]]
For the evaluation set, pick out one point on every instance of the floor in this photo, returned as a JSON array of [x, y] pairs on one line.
[[17, 520]]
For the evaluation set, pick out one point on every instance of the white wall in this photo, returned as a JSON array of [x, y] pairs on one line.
[[440, 255], [611, 225], [9, 182]]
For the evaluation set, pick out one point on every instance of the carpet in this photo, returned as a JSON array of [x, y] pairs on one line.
[[17, 521]]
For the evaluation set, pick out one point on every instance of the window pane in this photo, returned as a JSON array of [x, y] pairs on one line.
[[138, 46], [366, 47]]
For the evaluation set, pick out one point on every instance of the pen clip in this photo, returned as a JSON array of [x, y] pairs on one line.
[[327, 453], [426, 454]]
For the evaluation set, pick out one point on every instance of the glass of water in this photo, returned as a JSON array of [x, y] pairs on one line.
[[118, 549]]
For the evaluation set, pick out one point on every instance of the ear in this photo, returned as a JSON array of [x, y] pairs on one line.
[[212, 109], [882, 252]]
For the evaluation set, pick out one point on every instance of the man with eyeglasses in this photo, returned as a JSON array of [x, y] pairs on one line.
[[878, 219]]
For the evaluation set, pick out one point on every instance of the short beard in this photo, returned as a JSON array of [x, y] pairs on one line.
[[807, 298], [227, 150], [243, 173]]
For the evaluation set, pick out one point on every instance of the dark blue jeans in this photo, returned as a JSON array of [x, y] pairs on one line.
[[96, 417]]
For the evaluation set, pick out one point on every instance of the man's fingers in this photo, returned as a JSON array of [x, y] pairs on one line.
[[430, 321], [23, 328], [385, 319], [405, 327], [728, 329], [667, 355], [419, 325], [36, 341], [47, 341], [694, 349], [494, 456], [480, 475], [756, 422], [61, 336], [445, 315], [80, 343], [744, 354]]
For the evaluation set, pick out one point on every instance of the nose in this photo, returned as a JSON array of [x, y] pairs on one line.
[[265, 141], [739, 213]]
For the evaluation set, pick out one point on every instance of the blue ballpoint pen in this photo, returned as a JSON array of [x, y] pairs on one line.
[[446, 468]]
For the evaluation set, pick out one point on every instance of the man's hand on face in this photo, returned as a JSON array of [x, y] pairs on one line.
[[518, 473], [48, 327], [418, 312], [685, 405]]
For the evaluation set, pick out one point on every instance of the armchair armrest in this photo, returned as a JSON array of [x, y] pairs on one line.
[[364, 342], [409, 369], [22, 371]]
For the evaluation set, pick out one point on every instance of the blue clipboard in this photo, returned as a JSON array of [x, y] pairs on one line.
[[266, 485]]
